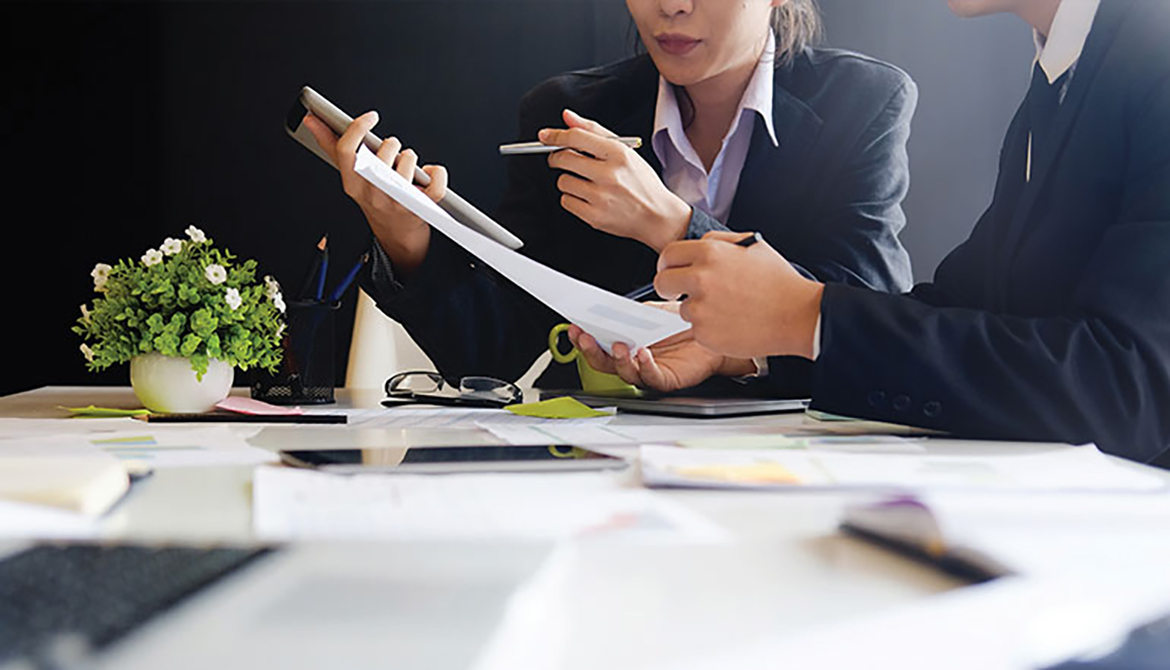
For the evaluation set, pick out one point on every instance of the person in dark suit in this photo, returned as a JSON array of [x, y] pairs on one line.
[[1051, 322], [743, 121]]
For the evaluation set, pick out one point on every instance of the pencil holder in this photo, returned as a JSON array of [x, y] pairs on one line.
[[307, 375]]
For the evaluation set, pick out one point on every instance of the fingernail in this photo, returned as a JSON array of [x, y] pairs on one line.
[[372, 115], [543, 134]]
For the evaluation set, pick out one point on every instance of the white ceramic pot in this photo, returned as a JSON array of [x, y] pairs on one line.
[[168, 385]]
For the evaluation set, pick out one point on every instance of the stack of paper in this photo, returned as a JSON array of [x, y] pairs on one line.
[[292, 504]]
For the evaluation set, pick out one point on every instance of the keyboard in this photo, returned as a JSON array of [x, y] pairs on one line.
[[90, 596]]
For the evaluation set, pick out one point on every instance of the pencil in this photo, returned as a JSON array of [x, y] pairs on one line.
[[312, 276], [648, 289], [523, 148]]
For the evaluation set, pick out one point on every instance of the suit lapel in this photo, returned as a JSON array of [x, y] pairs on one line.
[[768, 166], [1044, 163]]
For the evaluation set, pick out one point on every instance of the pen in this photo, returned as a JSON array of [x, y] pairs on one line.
[[522, 148], [638, 294], [340, 290]]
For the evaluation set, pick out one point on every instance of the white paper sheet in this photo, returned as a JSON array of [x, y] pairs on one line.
[[608, 317], [155, 447], [1062, 469], [1039, 535], [292, 504]]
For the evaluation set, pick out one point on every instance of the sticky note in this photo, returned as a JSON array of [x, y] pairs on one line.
[[103, 412], [557, 408]]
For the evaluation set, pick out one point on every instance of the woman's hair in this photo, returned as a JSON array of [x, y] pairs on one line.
[[797, 24]]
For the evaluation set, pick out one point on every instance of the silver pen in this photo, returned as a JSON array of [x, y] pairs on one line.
[[522, 148]]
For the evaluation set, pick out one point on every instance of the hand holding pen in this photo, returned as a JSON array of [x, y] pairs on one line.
[[741, 302]]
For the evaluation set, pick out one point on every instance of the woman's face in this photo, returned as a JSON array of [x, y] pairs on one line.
[[692, 41]]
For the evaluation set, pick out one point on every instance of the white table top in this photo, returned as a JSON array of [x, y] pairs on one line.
[[629, 605]]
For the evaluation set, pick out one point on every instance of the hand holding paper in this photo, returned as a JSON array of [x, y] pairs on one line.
[[607, 317]]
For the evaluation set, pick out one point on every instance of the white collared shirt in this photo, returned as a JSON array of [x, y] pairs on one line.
[[683, 171]]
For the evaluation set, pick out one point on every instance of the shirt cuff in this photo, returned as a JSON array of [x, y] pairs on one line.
[[816, 352]]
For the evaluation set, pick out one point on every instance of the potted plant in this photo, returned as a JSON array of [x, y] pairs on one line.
[[184, 315]]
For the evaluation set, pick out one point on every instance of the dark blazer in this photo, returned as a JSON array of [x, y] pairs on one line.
[[829, 197], [1052, 321]]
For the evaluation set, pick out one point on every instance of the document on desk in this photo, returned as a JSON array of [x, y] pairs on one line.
[[608, 317], [1083, 469], [1029, 534], [292, 504], [157, 447]]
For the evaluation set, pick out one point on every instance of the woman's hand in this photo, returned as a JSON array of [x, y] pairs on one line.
[[607, 185], [675, 363], [404, 236]]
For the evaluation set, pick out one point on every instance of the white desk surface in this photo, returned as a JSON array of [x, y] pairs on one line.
[[628, 605]]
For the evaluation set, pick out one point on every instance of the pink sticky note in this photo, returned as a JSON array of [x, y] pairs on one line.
[[256, 407]]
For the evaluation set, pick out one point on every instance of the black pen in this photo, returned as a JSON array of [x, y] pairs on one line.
[[638, 294]]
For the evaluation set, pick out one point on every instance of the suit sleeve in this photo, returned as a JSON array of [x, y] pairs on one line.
[[1100, 374], [859, 244]]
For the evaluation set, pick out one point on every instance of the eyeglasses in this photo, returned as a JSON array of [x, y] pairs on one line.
[[429, 387]]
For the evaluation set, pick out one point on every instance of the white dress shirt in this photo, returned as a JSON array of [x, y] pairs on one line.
[[1057, 54], [682, 170]]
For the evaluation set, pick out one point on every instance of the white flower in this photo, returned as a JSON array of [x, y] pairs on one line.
[[85, 313], [271, 287], [87, 352], [195, 234], [152, 257], [278, 302], [233, 299], [280, 330], [100, 274], [171, 246], [216, 274]]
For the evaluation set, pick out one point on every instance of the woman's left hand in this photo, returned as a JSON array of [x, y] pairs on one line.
[[607, 185]]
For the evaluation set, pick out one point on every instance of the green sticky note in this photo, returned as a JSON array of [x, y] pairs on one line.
[[103, 412], [557, 408]]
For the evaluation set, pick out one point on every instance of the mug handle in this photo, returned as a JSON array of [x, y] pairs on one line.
[[554, 340]]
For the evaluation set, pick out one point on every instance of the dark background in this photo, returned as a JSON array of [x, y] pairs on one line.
[[122, 123]]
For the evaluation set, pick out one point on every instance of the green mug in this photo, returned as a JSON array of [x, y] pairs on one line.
[[591, 380]]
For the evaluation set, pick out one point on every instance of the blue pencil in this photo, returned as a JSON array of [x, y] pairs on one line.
[[349, 277]]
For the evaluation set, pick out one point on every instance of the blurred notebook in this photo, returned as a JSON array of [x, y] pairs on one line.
[[88, 485]]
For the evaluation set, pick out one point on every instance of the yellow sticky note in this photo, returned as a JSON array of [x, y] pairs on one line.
[[750, 474], [104, 412], [557, 408]]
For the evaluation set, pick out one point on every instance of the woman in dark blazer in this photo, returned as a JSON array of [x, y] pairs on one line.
[[748, 128]]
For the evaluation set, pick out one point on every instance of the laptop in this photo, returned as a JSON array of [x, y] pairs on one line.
[[403, 605], [683, 404]]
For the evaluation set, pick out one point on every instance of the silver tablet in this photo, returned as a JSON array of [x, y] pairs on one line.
[[337, 120]]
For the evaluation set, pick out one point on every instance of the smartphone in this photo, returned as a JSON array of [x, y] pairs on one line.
[[338, 121], [450, 460]]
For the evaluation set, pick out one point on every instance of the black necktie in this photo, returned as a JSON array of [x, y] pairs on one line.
[[1043, 104]]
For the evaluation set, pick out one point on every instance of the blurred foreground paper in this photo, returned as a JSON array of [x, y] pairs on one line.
[[608, 317]]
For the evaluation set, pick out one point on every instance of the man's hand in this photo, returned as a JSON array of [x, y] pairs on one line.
[[608, 186], [741, 301]]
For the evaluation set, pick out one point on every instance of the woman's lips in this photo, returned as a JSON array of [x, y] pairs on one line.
[[676, 45]]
